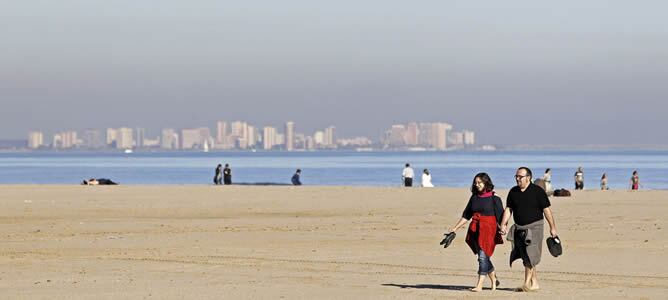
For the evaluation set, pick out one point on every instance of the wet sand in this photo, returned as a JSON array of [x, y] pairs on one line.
[[208, 242]]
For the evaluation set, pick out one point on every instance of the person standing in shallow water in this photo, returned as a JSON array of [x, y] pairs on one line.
[[484, 209], [227, 174], [527, 203], [635, 181]]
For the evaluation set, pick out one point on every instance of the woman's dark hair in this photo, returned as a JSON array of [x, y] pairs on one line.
[[486, 180], [548, 170], [426, 171], [635, 172], [604, 176]]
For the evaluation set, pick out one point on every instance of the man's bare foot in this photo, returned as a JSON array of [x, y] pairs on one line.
[[476, 289]]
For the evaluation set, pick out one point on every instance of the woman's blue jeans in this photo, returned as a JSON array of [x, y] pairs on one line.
[[484, 263]]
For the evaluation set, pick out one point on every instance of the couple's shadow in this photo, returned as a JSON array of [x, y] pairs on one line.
[[440, 287]]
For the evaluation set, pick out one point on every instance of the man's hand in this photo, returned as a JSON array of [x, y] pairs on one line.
[[553, 232]]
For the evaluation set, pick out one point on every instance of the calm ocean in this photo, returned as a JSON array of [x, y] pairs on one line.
[[449, 169]]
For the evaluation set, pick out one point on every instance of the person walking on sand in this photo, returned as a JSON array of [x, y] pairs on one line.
[[635, 181], [295, 178], [407, 176], [527, 203], [227, 175], [218, 177], [426, 179], [604, 182], [579, 179], [484, 209]]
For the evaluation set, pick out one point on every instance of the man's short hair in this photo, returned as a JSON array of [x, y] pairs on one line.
[[408, 165], [527, 170]]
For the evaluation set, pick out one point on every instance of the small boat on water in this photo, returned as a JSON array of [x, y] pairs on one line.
[[127, 151]]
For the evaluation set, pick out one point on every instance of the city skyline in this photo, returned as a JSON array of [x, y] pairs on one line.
[[241, 135]]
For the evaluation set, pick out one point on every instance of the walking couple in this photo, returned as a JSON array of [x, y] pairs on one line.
[[529, 206]]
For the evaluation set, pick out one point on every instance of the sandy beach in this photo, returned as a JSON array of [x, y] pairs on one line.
[[208, 242]]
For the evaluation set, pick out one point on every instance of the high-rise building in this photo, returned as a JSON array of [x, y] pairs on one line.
[[35, 139], [310, 143], [412, 134], [140, 135], [111, 136], [252, 136], [221, 132], [92, 139], [330, 136], [195, 138], [169, 139], [457, 138], [469, 137], [319, 138], [124, 138], [240, 132], [440, 135], [397, 136], [269, 137], [290, 136], [65, 140]]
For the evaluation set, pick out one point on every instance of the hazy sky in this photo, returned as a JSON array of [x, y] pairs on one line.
[[570, 72]]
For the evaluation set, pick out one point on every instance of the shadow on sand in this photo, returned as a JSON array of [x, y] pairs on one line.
[[440, 287]]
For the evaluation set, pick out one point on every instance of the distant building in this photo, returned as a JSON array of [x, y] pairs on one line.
[[240, 134], [330, 137], [92, 139], [124, 138], [457, 138], [111, 137], [319, 138], [195, 138], [65, 140], [252, 136], [396, 137], [221, 132], [269, 137], [35, 139], [140, 135], [469, 137], [169, 139], [290, 136], [412, 134]]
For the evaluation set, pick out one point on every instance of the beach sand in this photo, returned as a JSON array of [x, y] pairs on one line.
[[212, 242]]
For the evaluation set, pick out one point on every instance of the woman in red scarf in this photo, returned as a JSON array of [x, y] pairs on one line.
[[485, 210]]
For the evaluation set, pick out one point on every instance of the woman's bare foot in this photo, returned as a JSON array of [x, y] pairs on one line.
[[494, 280], [476, 289]]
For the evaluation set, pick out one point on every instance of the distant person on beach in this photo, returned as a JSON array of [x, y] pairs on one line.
[[99, 181], [295, 177], [227, 174], [527, 203], [407, 175], [485, 210], [547, 179], [635, 181], [579, 179], [426, 179], [218, 177], [604, 182]]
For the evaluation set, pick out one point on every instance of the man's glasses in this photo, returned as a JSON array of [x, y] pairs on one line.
[[520, 176]]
